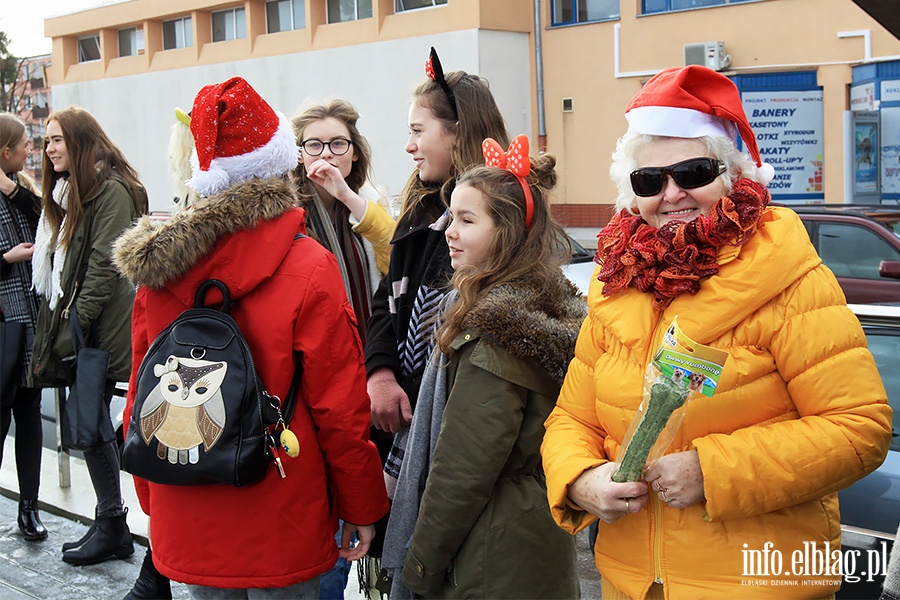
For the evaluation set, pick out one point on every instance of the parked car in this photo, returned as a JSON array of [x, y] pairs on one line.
[[580, 267], [861, 246], [870, 508]]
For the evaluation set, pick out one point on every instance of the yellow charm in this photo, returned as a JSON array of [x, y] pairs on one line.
[[289, 443]]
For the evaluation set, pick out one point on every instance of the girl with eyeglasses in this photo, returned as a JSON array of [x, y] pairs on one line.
[[799, 412], [341, 214]]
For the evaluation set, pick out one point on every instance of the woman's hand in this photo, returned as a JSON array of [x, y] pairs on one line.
[[19, 253], [390, 406], [326, 175], [365, 533], [597, 493], [677, 479]]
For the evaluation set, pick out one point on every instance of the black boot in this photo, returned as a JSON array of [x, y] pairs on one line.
[[150, 584], [111, 539], [84, 538], [30, 520]]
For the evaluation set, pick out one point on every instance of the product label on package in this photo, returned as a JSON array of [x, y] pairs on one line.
[[688, 363]]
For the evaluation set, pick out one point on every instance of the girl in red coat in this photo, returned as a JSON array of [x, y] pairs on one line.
[[290, 303]]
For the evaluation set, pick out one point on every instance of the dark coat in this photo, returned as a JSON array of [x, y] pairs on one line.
[[484, 528], [288, 299], [419, 256], [102, 296]]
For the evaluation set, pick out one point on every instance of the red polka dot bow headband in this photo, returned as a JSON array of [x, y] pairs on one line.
[[516, 161]]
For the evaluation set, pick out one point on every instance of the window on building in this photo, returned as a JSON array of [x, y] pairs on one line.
[[178, 34], [340, 11], [229, 25], [131, 41], [657, 6], [89, 48], [36, 133], [566, 12], [285, 15], [403, 5]]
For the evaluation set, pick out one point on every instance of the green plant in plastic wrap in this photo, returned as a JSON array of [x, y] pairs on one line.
[[680, 371]]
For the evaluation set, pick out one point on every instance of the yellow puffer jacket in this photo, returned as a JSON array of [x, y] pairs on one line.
[[799, 414]]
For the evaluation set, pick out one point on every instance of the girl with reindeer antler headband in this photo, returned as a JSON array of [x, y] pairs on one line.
[[449, 116], [504, 339]]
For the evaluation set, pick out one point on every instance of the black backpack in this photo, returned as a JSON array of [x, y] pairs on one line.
[[201, 415]]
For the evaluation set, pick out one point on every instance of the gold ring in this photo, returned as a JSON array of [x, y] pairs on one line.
[[663, 494], [627, 505]]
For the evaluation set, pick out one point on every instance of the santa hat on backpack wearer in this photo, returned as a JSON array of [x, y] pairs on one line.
[[690, 102], [237, 137]]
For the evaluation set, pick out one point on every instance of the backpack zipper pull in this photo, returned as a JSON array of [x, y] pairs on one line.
[[274, 448]]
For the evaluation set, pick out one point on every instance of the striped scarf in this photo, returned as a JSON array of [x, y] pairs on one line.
[[17, 301], [348, 248]]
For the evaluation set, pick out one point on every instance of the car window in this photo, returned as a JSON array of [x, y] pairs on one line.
[[580, 254], [853, 251], [885, 347]]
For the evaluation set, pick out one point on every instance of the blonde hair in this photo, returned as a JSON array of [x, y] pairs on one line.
[[11, 131], [181, 144]]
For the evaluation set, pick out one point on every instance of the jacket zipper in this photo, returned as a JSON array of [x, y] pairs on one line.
[[657, 508], [65, 312]]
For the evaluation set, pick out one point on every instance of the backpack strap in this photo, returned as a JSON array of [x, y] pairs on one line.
[[290, 401], [200, 296]]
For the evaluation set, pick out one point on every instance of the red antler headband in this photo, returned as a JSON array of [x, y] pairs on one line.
[[516, 161], [436, 73]]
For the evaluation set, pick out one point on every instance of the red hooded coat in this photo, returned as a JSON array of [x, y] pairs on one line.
[[288, 298]]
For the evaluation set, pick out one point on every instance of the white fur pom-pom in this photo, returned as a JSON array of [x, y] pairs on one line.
[[766, 173], [209, 182]]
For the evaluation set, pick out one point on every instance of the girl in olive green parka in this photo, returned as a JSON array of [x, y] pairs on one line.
[[91, 195], [483, 528]]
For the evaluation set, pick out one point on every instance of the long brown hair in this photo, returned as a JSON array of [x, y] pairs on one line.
[[479, 118], [11, 131], [93, 159], [347, 114], [516, 252]]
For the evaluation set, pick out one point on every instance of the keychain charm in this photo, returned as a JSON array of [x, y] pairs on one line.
[[289, 443]]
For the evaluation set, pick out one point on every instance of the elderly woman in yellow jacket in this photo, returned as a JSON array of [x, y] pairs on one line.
[[747, 490]]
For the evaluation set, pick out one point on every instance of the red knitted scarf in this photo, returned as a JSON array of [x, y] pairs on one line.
[[672, 260]]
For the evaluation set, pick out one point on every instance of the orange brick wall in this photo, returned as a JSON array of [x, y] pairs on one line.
[[582, 215]]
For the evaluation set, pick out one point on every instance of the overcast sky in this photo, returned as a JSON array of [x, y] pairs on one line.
[[24, 25]]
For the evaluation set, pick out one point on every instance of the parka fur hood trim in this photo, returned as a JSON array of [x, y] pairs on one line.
[[530, 320], [153, 254]]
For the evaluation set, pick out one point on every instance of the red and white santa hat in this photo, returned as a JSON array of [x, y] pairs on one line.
[[237, 137], [690, 102]]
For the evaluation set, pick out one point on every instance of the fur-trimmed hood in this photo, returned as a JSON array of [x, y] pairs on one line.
[[154, 254], [535, 321]]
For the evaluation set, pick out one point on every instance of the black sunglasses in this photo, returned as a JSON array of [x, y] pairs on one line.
[[688, 174]]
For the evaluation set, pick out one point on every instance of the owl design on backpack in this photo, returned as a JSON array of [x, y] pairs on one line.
[[186, 409]]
